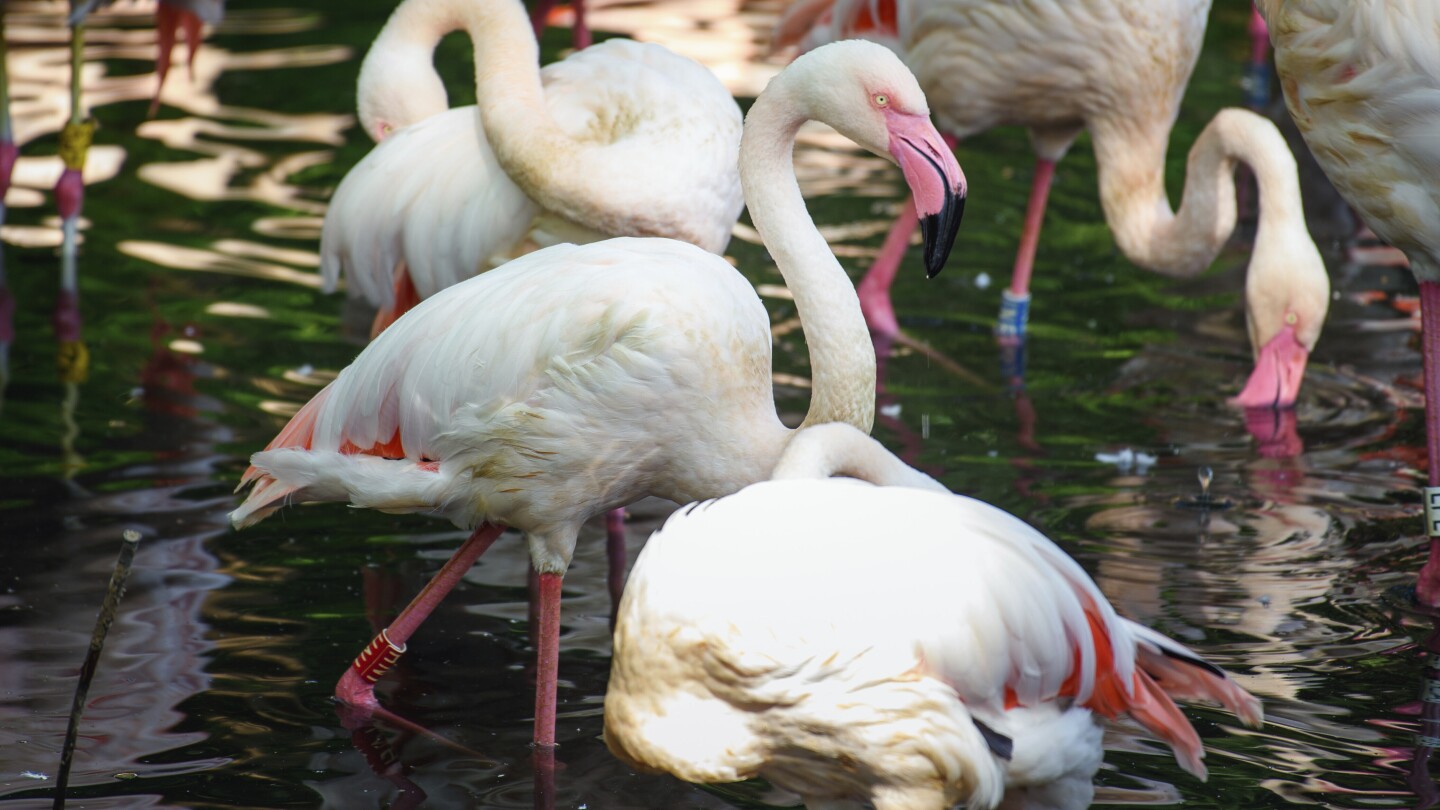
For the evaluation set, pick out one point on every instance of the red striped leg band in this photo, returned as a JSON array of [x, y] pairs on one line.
[[377, 658]]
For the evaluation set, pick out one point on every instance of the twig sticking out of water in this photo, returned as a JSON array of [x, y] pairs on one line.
[[113, 593]]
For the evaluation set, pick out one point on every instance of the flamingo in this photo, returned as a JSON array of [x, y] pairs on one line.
[[578, 379], [1360, 79], [621, 139], [964, 657], [1118, 69]]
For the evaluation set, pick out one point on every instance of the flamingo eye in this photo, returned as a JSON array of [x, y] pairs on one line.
[[1291, 318], [881, 99]]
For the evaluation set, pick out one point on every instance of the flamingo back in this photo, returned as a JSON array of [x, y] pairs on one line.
[[894, 617]]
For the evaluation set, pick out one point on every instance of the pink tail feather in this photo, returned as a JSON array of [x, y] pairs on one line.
[[298, 432]]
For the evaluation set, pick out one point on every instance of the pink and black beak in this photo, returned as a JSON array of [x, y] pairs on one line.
[[935, 180], [1279, 370]]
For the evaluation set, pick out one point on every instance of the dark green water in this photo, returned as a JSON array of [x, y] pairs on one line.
[[206, 328]]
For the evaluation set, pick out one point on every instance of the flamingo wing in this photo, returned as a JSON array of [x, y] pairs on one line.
[[431, 199], [526, 378]]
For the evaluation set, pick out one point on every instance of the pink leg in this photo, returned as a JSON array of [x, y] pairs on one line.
[[538, 16], [615, 552], [547, 655], [1427, 590], [874, 289], [357, 685], [1015, 309], [544, 760], [580, 32]]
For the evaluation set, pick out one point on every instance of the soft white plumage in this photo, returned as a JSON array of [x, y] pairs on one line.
[[646, 140], [577, 379], [842, 640], [1362, 81], [1119, 69]]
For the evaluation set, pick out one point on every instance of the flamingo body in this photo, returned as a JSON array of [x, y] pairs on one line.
[[658, 135], [569, 394], [1362, 81], [964, 656]]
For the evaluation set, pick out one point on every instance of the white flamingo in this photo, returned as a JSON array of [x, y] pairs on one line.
[[621, 139], [909, 648], [1118, 69], [579, 379], [1361, 79]]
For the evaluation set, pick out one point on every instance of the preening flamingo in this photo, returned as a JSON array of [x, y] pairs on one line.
[[579, 379], [622, 139], [1118, 69], [1360, 79], [910, 648]]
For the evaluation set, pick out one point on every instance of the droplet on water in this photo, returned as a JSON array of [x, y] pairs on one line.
[[1204, 474]]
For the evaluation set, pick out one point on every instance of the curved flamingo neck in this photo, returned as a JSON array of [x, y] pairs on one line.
[[842, 360], [823, 451], [532, 149], [1131, 158]]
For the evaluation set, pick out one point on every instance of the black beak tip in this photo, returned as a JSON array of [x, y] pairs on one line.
[[939, 230]]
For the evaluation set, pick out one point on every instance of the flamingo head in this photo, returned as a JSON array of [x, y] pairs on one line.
[[867, 94], [1287, 296], [394, 93]]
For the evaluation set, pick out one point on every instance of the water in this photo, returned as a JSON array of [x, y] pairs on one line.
[[207, 329]]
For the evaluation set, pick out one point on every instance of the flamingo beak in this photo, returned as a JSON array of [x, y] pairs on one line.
[[1279, 370], [935, 180]]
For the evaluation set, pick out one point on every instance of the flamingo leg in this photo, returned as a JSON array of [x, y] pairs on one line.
[[1015, 306], [615, 553], [579, 31], [874, 288], [547, 659], [538, 16], [1257, 74], [1427, 590], [544, 761], [357, 685]]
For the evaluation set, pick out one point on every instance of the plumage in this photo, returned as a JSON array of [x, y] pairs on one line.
[[1362, 81], [843, 639], [580, 378], [645, 140], [1118, 69]]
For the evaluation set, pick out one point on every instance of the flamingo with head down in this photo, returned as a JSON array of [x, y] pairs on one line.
[[621, 139], [1119, 70], [581, 378], [965, 657]]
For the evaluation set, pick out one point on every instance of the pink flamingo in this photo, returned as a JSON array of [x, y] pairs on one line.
[[1118, 69], [578, 379], [964, 657], [1359, 78]]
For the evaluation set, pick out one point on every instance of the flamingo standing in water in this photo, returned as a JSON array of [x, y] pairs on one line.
[[964, 657], [625, 139], [1360, 79], [1118, 69], [579, 379]]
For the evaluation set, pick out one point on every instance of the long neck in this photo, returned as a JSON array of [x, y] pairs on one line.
[[1131, 156], [532, 149], [842, 360], [827, 450]]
